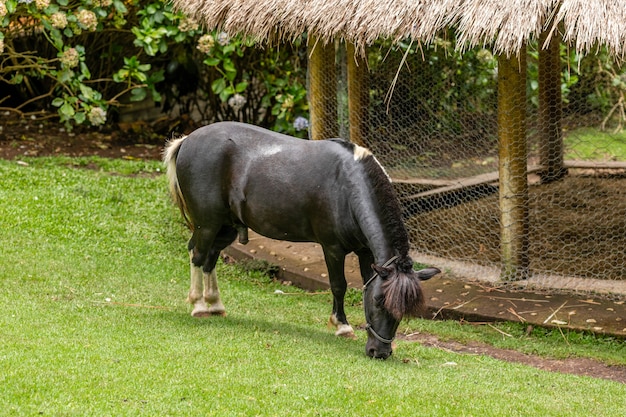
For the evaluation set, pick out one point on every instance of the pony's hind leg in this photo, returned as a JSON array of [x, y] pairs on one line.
[[204, 251], [211, 292], [195, 297]]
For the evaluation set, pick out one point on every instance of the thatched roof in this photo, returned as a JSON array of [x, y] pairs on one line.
[[504, 24]]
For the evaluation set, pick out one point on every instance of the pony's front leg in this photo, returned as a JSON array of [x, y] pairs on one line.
[[338, 287]]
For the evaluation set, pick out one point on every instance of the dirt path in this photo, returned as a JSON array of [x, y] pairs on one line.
[[575, 366]]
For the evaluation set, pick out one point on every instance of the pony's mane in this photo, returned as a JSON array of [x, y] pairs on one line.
[[390, 209]]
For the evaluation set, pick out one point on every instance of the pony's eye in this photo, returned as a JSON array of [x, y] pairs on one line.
[[379, 300]]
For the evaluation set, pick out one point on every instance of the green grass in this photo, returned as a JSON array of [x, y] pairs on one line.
[[94, 274], [590, 144]]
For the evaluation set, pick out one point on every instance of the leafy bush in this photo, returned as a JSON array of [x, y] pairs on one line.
[[86, 58]]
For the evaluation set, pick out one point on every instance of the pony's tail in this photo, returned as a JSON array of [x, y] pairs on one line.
[[169, 159]]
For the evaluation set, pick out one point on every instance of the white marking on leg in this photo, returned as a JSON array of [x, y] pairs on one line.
[[212, 293], [200, 309], [343, 330]]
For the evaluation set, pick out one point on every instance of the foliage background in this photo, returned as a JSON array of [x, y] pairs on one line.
[[85, 60]]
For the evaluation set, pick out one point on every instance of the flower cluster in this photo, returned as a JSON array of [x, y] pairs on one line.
[[187, 24], [236, 102], [70, 58], [205, 43], [58, 20], [102, 3], [3, 9], [301, 123], [97, 116], [1, 45], [42, 4], [223, 39], [87, 19]]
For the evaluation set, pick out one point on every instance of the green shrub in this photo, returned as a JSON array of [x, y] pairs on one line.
[[83, 59]]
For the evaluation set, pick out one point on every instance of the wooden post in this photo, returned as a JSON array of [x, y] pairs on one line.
[[550, 113], [513, 166], [358, 96], [322, 90]]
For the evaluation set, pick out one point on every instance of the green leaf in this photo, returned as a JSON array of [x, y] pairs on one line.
[[79, 117], [11, 5], [229, 66], [211, 61], [58, 102], [138, 94], [67, 110], [119, 6], [241, 87], [218, 85]]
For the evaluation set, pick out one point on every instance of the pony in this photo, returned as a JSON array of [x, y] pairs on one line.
[[229, 177]]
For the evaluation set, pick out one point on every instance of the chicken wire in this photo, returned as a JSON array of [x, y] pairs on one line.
[[436, 134]]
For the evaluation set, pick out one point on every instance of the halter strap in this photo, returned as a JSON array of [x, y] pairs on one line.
[[368, 326], [370, 329], [385, 265]]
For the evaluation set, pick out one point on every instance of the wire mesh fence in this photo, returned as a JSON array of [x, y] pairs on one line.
[[432, 122]]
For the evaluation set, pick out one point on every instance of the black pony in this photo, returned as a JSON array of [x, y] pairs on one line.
[[228, 177]]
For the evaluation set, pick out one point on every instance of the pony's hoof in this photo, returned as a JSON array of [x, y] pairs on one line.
[[200, 312], [345, 330], [221, 313]]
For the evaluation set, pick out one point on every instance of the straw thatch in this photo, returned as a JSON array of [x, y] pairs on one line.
[[505, 25]]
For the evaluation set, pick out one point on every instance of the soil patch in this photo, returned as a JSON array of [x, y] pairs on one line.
[[575, 366], [18, 138], [577, 228]]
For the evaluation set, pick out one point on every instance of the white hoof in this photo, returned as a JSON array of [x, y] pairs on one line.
[[345, 330], [217, 309], [200, 310]]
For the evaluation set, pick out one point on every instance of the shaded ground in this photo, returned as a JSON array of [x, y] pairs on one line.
[[19, 139], [22, 139]]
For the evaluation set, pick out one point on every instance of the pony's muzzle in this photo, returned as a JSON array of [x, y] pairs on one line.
[[377, 350]]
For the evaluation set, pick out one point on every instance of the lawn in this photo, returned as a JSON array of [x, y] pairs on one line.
[[94, 274], [590, 144]]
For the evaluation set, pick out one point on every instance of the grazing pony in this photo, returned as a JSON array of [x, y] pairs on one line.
[[228, 177]]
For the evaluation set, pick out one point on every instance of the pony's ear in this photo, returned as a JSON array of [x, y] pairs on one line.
[[427, 273], [381, 271]]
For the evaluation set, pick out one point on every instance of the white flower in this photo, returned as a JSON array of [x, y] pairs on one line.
[[223, 38], [70, 58], [187, 24], [42, 4], [236, 102], [87, 19], [58, 20], [1, 45], [3, 9], [301, 123], [205, 43], [97, 116]]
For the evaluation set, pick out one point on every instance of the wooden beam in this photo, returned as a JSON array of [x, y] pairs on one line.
[[322, 90], [550, 112], [513, 184], [358, 95]]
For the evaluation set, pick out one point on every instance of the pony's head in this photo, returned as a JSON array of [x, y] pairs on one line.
[[393, 292]]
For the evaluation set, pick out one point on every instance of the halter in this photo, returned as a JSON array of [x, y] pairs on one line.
[[368, 326]]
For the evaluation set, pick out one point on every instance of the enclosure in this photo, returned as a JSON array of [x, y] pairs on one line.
[[499, 124], [431, 120]]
